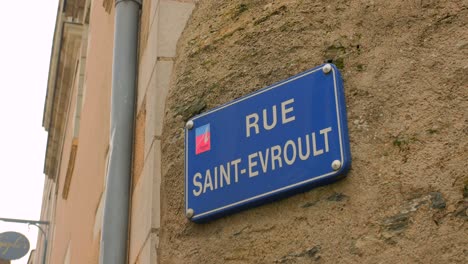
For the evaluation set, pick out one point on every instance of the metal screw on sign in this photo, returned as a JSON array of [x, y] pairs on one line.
[[336, 165], [189, 213], [189, 125], [327, 68]]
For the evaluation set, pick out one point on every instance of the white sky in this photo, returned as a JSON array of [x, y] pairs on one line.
[[26, 29]]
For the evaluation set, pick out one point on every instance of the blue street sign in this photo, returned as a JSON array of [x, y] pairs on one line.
[[13, 245], [280, 140]]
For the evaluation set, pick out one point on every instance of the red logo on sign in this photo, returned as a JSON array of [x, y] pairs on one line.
[[202, 139]]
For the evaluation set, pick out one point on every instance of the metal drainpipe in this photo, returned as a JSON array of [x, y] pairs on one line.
[[116, 206]]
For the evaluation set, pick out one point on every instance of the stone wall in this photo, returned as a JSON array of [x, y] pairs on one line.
[[406, 82]]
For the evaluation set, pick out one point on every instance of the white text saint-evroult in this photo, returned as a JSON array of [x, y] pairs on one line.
[[284, 154]]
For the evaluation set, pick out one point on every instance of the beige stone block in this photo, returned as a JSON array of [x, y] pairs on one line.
[[164, 76], [99, 217], [141, 210], [151, 101], [156, 205], [173, 16], [147, 62], [148, 254], [145, 211], [154, 10], [155, 100]]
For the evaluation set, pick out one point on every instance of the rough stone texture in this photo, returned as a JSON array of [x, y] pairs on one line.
[[406, 82], [437, 200]]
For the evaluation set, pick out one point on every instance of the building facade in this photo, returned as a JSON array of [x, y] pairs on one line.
[[405, 73], [77, 118]]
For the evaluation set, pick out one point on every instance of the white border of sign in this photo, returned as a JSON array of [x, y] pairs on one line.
[[339, 119]]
